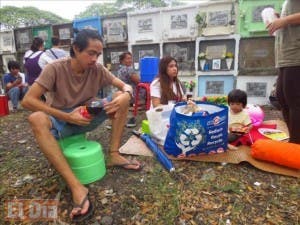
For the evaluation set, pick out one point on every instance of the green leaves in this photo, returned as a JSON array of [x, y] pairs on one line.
[[189, 85], [97, 9], [12, 17], [201, 19]]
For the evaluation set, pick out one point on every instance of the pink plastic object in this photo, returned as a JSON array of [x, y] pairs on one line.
[[256, 114]]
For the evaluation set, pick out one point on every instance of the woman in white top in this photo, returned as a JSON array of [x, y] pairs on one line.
[[166, 86]]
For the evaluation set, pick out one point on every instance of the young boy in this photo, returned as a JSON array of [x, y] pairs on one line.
[[239, 121], [15, 84]]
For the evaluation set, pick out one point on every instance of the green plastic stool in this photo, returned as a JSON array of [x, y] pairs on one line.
[[85, 158]]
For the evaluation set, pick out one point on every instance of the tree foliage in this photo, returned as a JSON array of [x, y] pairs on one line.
[[97, 9], [12, 17], [141, 4], [101, 9]]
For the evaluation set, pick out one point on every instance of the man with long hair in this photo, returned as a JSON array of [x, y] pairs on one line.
[[70, 83]]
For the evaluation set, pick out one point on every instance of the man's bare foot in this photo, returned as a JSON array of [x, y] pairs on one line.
[[119, 161]]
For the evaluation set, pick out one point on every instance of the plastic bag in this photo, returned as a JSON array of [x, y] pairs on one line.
[[159, 122], [199, 133]]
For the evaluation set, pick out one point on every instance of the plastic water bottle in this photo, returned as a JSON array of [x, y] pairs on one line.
[[268, 15]]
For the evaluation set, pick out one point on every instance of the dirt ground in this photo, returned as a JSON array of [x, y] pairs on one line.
[[198, 193]]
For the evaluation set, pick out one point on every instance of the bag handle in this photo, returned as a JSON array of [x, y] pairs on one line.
[[53, 53]]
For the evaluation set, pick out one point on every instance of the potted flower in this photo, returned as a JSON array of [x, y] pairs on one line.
[[202, 59], [229, 59], [189, 88]]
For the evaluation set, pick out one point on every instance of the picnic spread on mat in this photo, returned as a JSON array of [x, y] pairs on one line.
[[202, 136]]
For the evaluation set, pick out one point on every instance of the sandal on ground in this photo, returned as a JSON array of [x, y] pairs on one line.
[[81, 217]]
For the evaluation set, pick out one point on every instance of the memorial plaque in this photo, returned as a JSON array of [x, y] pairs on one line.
[[183, 52], [140, 51], [256, 89], [254, 56], [214, 87], [24, 37], [215, 51], [179, 21], [43, 34], [114, 56], [145, 25], [7, 40], [111, 57], [64, 33], [116, 31], [144, 53], [218, 18], [260, 53], [115, 28], [174, 50]]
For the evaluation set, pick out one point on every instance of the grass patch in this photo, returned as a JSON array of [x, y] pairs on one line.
[[158, 197]]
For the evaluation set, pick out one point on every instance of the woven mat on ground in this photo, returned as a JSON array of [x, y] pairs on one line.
[[135, 146]]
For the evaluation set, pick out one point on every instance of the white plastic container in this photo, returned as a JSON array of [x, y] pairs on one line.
[[268, 15]]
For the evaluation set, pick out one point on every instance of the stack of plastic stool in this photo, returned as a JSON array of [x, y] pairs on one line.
[[149, 69], [146, 86], [85, 158]]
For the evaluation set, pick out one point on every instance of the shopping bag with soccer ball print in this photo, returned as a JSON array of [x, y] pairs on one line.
[[203, 131]]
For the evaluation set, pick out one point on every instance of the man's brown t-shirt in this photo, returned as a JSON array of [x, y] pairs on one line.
[[68, 90]]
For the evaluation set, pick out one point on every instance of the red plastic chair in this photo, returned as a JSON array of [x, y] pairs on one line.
[[146, 86]]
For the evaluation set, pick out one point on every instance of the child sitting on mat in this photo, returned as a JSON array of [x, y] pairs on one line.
[[239, 122]]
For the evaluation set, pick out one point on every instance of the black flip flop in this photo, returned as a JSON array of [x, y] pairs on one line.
[[88, 214]]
